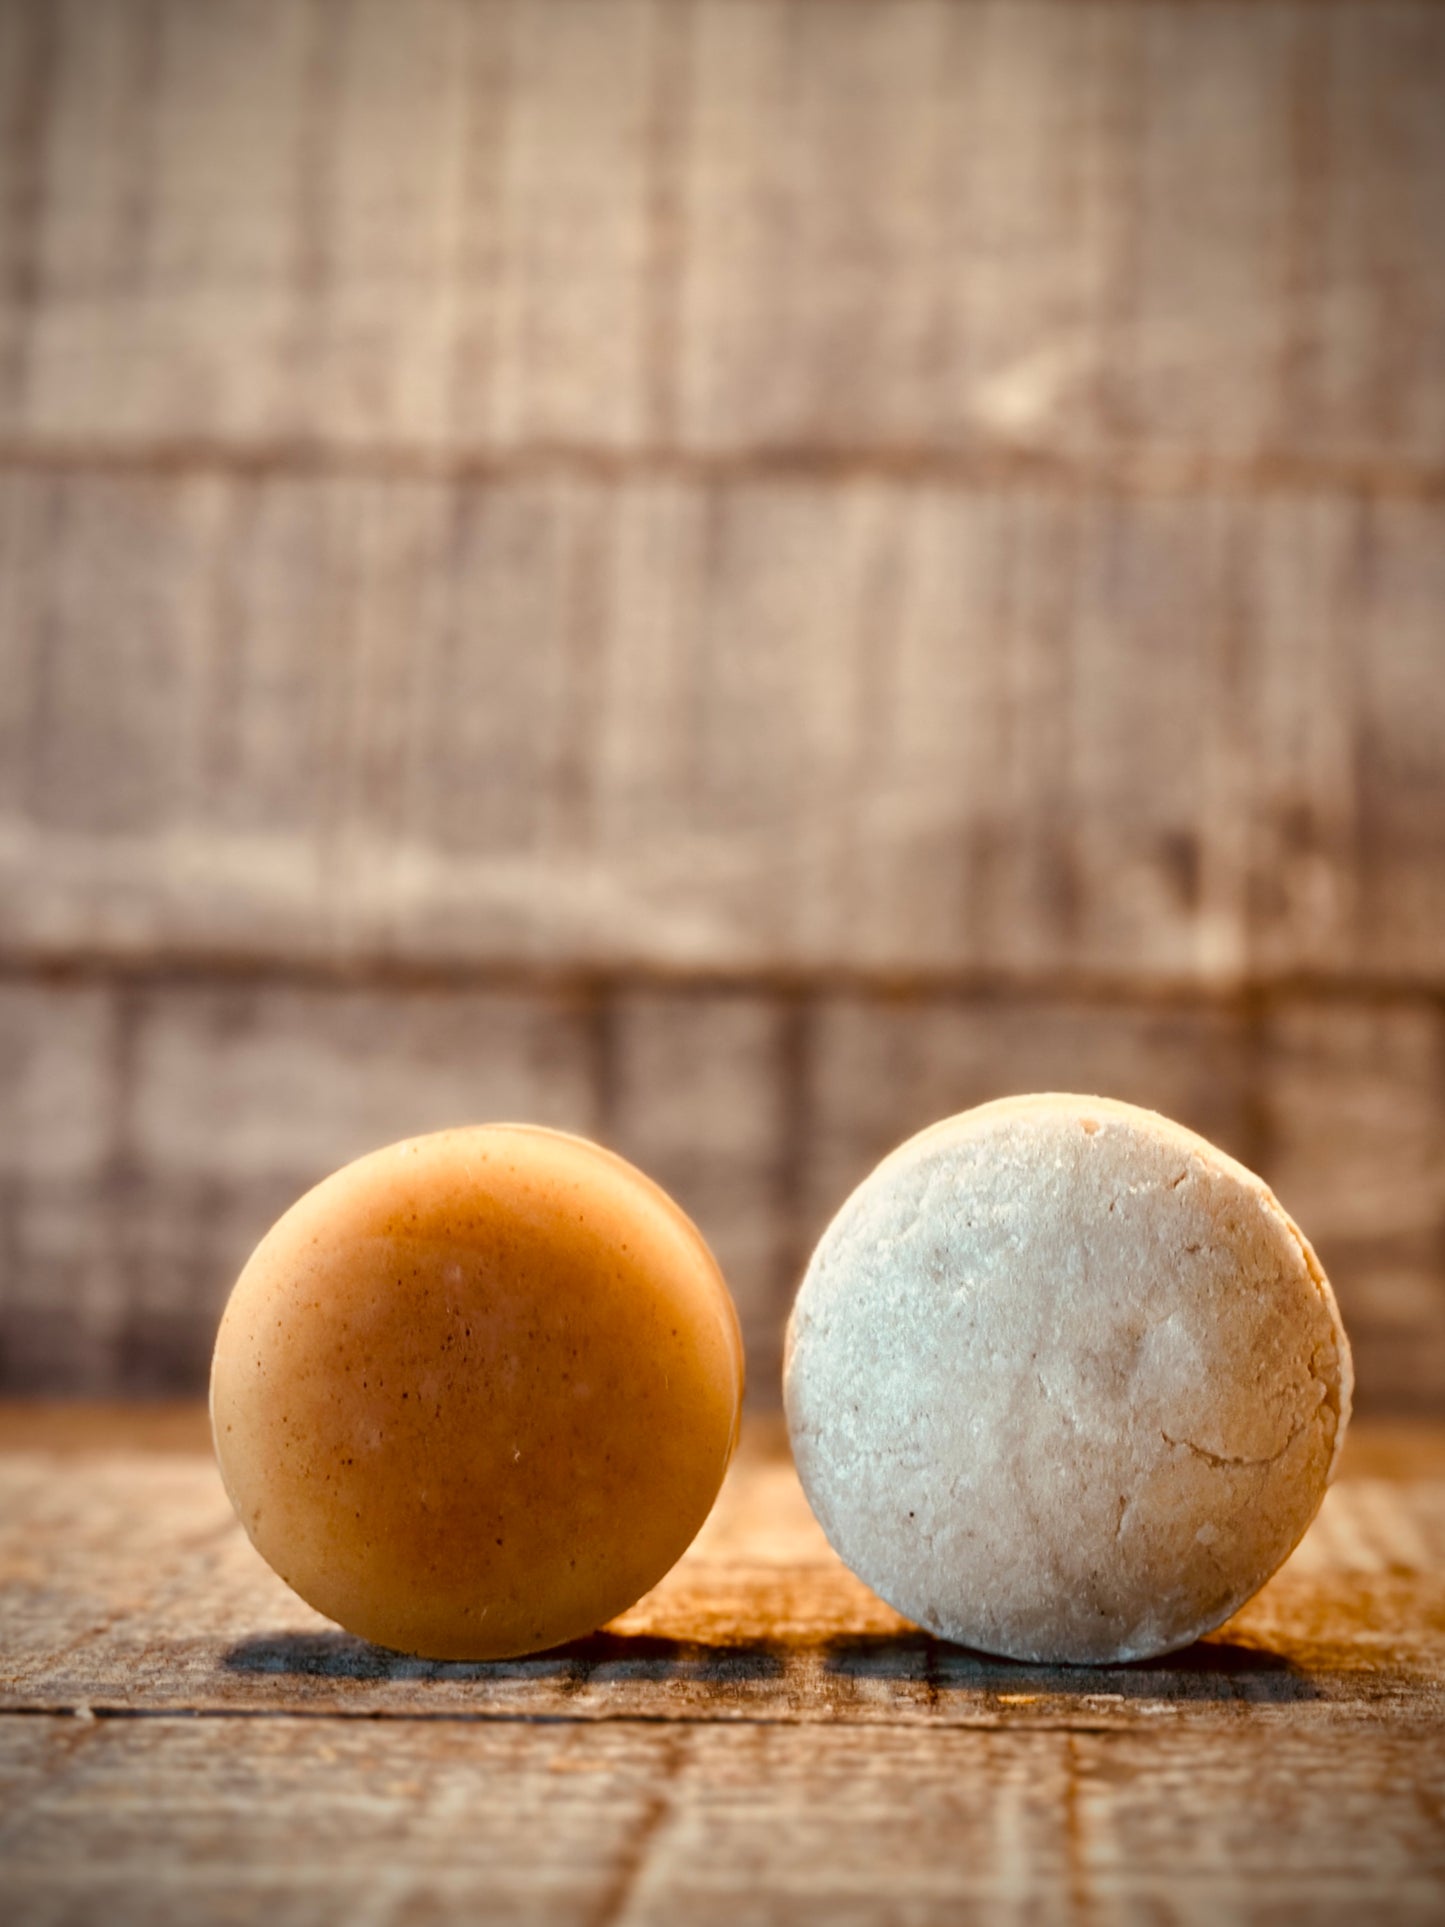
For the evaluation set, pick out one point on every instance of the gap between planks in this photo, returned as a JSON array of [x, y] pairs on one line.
[[200, 967], [323, 1715], [987, 470]]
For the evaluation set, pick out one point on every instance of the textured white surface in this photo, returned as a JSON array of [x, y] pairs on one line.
[[1064, 1382]]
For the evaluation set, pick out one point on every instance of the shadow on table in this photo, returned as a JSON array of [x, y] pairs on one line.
[[638, 1656], [1210, 1670]]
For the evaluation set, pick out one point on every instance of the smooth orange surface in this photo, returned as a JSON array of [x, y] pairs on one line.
[[475, 1394]]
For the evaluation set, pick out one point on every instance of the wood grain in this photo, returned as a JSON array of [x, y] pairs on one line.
[[624, 225], [771, 1824], [760, 1739], [130, 1587], [734, 574], [757, 727], [153, 1128], [1338, 1105], [155, 1131]]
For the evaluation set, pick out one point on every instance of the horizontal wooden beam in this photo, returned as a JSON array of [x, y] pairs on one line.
[[1096, 232], [151, 1130], [736, 729]]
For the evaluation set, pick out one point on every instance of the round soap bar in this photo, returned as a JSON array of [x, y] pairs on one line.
[[476, 1393], [1064, 1382]]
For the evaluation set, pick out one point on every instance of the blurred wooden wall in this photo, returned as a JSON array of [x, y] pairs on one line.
[[731, 574]]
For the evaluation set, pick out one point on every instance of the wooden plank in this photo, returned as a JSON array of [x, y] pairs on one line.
[[59, 1066], [152, 1128], [760, 1739], [744, 727], [769, 1824], [1287, 639], [161, 1129], [1337, 1104], [107, 1611], [695, 1094], [1402, 870], [930, 227], [1368, 136], [296, 1822], [151, 1133], [882, 1070], [1353, 1124]]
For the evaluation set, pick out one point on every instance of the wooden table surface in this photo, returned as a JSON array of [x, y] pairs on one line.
[[759, 1740]]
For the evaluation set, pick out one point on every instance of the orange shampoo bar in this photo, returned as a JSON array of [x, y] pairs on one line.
[[475, 1393]]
